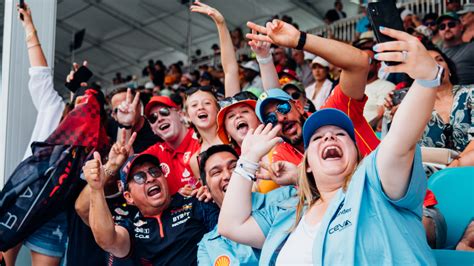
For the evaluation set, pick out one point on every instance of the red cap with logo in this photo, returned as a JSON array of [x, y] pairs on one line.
[[155, 100]]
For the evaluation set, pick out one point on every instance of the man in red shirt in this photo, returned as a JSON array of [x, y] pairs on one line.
[[180, 142]]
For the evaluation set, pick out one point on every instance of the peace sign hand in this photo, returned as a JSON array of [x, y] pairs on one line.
[[276, 32], [128, 109], [120, 151]]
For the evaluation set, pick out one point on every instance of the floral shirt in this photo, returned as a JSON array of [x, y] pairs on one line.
[[460, 131]]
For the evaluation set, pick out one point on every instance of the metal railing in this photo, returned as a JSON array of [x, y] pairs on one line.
[[345, 29]]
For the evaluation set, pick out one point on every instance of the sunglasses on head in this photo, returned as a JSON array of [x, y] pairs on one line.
[[282, 108], [140, 177], [163, 111], [241, 96], [295, 95], [450, 25], [190, 91]]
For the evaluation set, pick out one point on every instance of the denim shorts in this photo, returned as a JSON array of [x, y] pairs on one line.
[[50, 239]]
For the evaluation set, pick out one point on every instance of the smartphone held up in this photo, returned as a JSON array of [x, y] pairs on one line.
[[384, 13], [22, 6]]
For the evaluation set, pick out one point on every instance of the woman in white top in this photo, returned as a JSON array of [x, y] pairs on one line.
[[319, 91]]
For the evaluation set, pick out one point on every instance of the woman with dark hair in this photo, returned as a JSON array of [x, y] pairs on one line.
[[452, 119]]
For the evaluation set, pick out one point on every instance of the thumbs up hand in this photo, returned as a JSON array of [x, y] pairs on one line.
[[94, 172]]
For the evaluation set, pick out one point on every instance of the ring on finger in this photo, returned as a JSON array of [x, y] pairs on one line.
[[404, 56]]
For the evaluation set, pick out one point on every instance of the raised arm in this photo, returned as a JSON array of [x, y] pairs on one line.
[[228, 59], [117, 156], [396, 152], [235, 219], [268, 71], [353, 62], [35, 53], [110, 237]]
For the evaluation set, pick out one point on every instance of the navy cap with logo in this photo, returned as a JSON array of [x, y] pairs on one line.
[[134, 160], [327, 117]]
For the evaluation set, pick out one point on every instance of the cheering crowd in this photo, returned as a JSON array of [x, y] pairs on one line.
[[273, 160]]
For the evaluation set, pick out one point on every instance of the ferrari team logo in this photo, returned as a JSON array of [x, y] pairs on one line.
[[222, 260], [186, 156], [165, 169]]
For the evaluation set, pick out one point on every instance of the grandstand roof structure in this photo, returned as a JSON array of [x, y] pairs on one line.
[[122, 35]]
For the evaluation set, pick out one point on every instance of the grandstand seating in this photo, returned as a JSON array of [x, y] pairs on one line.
[[453, 190]]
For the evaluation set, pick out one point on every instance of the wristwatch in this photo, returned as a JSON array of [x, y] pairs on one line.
[[435, 82]]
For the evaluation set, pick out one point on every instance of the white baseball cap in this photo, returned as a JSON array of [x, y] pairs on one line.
[[252, 65], [320, 61]]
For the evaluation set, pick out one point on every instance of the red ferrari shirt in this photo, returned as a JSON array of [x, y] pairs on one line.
[[366, 139], [175, 163]]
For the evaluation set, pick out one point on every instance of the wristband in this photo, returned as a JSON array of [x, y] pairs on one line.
[[301, 41], [246, 164], [435, 82], [264, 60], [124, 126], [241, 172]]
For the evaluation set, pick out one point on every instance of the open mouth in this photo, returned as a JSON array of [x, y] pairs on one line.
[[242, 127], [224, 188], [202, 116], [288, 128], [332, 152], [154, 190], [164, 126]]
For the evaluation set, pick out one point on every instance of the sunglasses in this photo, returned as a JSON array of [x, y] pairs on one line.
[[272, 118], [140, 177], [241, 96], [163, 111], [450, 25], [190, 91], [430, 24], [295, 95]]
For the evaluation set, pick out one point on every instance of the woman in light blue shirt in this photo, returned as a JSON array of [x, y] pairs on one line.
[[346, 211]]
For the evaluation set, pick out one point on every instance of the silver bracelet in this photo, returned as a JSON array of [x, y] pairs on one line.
[[243, 173], [264, 60], [109, 172]]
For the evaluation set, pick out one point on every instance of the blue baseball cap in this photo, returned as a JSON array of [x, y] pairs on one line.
[[268, 96], [133, 160], [327, 117]]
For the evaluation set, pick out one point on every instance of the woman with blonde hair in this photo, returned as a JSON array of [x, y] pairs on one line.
[[345, 211]]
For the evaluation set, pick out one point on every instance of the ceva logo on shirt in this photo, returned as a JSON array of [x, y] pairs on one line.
[[340, 227]]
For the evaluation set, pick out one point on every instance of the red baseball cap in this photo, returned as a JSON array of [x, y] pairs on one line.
[[155, 100]]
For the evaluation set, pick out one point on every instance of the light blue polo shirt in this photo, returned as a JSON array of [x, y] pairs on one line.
[[214, 248], [361, 225]]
